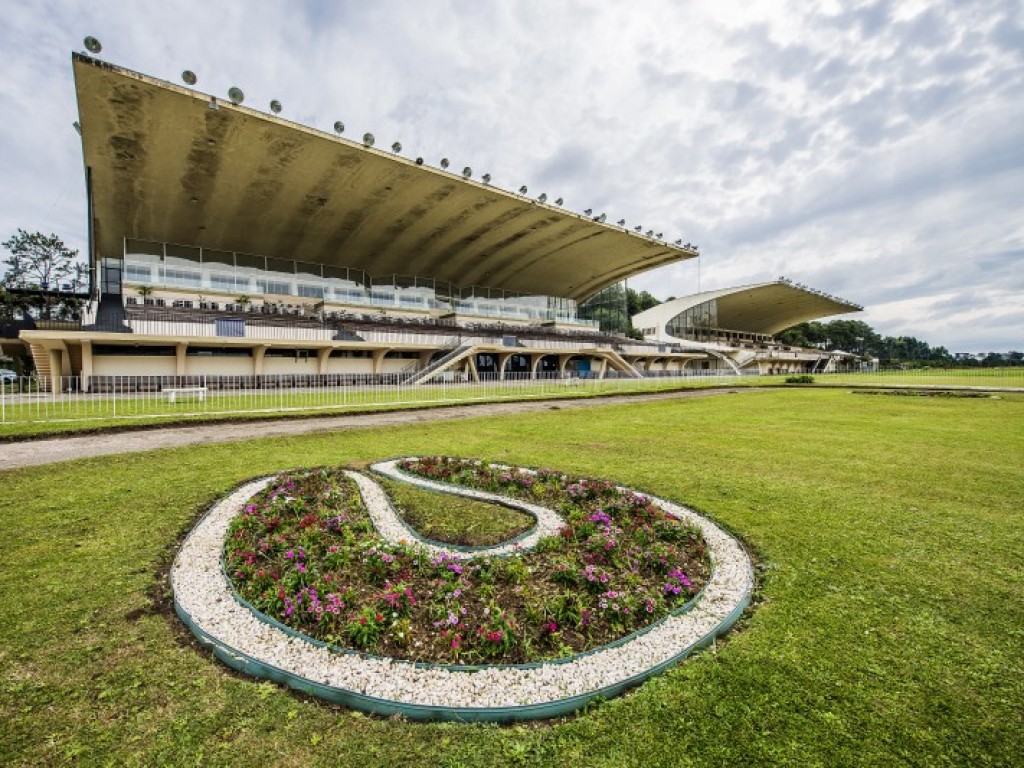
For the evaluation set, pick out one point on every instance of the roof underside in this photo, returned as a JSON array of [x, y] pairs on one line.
[[167, 166], [765, 308]]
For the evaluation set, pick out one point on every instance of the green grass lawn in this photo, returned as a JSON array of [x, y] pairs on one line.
[[890, 628]]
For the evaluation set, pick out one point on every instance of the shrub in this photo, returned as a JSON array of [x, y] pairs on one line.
[[803, 378]]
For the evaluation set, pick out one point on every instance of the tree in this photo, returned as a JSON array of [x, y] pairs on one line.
[[44, 271]]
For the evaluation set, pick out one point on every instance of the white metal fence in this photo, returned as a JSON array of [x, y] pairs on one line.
[[26, 400]]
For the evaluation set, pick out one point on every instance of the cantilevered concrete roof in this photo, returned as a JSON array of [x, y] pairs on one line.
[[173, 164], [765, 308]]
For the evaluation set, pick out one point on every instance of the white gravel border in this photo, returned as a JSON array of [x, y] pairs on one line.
[[203, 592], [394, 529]]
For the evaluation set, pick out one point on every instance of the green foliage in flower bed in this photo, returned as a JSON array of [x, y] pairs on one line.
[[450, 519], [304, 552]]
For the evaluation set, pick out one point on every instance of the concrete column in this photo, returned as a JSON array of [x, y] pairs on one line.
[[56, 368], [322, 356], [180, 359], [502, 359], [563, 361], [378, 359], [535, 364], [257, 360], [86, 364], [471, 367]]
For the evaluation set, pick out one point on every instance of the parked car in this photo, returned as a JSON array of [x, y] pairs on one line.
[[7, 375]]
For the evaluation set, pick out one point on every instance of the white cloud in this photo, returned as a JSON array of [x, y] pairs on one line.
[[872, 151]]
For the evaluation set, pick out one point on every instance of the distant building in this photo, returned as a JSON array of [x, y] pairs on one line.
[[736, 328]]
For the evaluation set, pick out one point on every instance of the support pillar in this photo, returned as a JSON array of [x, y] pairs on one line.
[[180, 358], [323, 355], [604, 368], [378, 359], [257, 360], [86, 364]]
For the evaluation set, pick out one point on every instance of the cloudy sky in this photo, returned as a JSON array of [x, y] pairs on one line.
[[872, 150]]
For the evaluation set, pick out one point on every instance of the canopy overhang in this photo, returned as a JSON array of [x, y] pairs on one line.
[[764, 308], [168, 163]]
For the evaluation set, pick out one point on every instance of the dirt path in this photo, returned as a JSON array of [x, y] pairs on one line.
[[49, 451]]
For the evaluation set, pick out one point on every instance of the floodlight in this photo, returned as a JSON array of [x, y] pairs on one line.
[[467, 172], [543, 197], [679, 241], [558, 201], [659, 235], [339, 127], [396, 147], [486, 178], [637, 228], [650, 232], [275, 106], [621, 222], [368, 139], [189, 77], [588, 211], [522, 190], [600, 219], [77, 126], [419, 161], [92, 45], [236, 95], [444, 162]]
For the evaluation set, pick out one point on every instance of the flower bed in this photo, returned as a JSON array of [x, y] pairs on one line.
[[304, 552]]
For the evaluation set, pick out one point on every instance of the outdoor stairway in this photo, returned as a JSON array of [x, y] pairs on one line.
[[443, 362], [110, 316], [619, 363], [41, 361]]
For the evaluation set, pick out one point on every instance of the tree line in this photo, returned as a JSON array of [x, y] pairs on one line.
[[860, 338]]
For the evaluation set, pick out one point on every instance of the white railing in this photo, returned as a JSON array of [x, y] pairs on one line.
[[128, 398]]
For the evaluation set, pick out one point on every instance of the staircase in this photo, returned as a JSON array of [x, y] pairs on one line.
[[110, 316], [449, 358], [619, 363], [41, 361]]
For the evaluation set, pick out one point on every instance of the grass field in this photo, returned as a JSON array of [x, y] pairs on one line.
[[889, 630]]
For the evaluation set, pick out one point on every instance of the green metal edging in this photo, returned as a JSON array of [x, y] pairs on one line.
[[249, 665]]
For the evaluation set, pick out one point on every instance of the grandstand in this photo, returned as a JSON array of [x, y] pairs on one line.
[[232, 245], [736, 327]]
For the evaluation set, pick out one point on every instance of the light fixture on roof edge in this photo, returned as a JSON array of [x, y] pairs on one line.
[[621, 222], [92, 45], [637, 228], [189, 77], [650, 233], [522, 190], [368, 139], [419, 161], [486, 178], [679, 241], [236, 95], [339, 127], [77, 126], [558, 201], [588, 211], [275, 106], [444, 162], [600, 219], [467, 172], [542, 197], [660, 235], [396, 147]]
